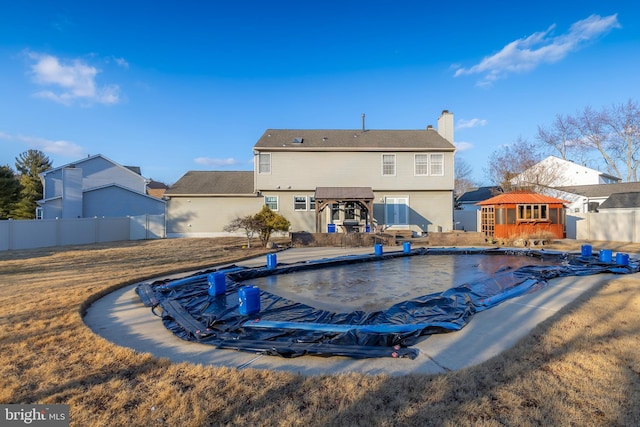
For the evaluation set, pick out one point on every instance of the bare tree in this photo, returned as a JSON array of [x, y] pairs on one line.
[[249, 224], [593, 129], [623, 125], [462, 176], [509, 161], [561, 136]]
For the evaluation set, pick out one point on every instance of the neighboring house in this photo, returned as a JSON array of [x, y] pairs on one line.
[[201, 203], [468, 201], [156, 189], [621, 202], [95, 186], [588, 198], [405, 177], [555, 172], [523, 214], [466, 215]]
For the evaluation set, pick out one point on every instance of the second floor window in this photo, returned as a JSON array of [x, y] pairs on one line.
[[264, 163], [422, 164], [436, 164], [388, 164]]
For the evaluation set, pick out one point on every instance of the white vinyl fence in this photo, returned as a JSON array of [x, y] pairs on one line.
[[621, 226], [29, 234]]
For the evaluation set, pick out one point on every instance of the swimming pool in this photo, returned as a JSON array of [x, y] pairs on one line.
[[358, 306], [379, 284]]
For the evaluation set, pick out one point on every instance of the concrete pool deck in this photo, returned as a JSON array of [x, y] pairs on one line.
[[121, 318]]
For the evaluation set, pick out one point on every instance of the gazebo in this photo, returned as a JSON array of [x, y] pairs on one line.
[[361, 196], [521, 214]]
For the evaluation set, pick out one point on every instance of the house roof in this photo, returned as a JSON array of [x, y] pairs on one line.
[[558, 166], [213, 183], [621, 200], [601, 190], [479, 194], [343, 193], [520, 197], [132, 169], [157, 185], [352, 140], [101, 187]]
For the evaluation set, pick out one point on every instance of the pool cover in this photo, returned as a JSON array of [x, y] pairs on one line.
[[287, 328]]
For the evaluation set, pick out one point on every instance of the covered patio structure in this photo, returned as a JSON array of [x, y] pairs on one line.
[[360, 196]]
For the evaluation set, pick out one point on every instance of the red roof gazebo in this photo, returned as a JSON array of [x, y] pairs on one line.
[[523, 214]]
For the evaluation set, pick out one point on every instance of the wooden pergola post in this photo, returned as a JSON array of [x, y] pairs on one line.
[[325, 196]]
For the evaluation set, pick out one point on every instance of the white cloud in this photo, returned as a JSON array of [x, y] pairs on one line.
[[67, 82], [527, 53], [64, 148], [121, 62], [466, 124], [463, 146], [208, 161]]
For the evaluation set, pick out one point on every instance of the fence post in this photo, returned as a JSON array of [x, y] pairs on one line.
[[10, 234], [58, 232]]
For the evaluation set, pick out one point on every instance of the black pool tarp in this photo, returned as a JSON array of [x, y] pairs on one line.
[[290, 329]]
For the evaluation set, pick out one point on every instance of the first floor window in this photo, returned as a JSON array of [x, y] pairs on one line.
[[350, 210], [271, 202], [300, 203], [335, 212]]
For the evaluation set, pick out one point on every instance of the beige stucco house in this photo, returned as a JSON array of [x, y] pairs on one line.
[[366, 179]]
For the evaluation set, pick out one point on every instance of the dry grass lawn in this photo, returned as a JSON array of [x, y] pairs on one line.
[[580, 367]]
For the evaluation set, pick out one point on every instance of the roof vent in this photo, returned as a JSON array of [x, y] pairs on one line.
[[297, 140], [324, 138], [430, 127]]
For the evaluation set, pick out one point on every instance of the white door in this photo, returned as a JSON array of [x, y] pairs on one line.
[[396, 211]]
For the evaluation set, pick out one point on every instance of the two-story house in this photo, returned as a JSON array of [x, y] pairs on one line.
[[557, 177], [95, 186], [326, 180]]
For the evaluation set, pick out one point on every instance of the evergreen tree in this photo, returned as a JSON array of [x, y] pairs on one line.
[[9, 191], [30, 164], [268, 221]]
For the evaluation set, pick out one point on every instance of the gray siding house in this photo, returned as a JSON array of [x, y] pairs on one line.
[[95, 186], [407, 177]]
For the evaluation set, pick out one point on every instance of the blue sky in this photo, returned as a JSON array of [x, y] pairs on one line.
[[176, 86]]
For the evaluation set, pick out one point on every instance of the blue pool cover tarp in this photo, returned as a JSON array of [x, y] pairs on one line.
[[287, 328]]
